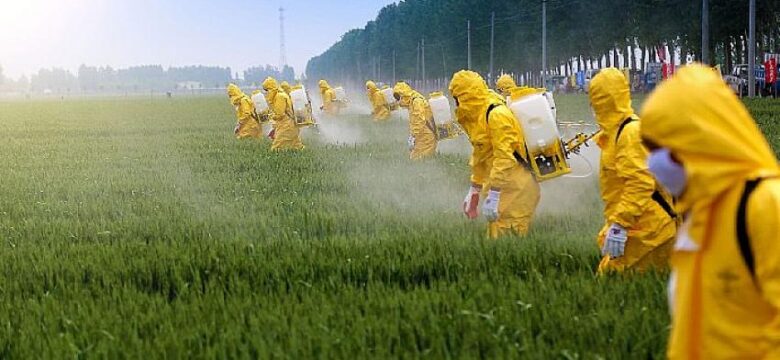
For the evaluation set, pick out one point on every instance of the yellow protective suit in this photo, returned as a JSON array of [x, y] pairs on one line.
[[286, 87], [421, 125], [627, 187], [329, 104], [719, 310], [381, 111], [248, 125], [497, 141], [505, 84], [287, 136]]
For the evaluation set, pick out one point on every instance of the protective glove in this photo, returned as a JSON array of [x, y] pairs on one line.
[[490, 207], [471, 202], [615, 241], [272, 134], [410, 142], [235, 129]]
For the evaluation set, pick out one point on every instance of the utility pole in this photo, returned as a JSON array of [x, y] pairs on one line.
[[752, 51], [492, 40], [544, 43], [282, 50], [705, 32], [468, 36], [423, 61], [417, 67], [443, 62], [393, 67]]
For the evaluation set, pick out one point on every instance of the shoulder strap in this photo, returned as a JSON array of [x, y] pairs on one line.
[[622, 126], [668, 208], [490, 108], [742, 233]]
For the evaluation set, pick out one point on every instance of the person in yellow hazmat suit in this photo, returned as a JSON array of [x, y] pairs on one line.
[[286, 87], [505, 84], [499, 161], [381, 111], [248, 125], [286, 134], [329, 105], [640, 221], [725, 282], [422, 134]]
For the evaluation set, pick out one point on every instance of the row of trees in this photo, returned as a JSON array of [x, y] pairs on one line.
[[256, 75], [90, 79], [580, 34]]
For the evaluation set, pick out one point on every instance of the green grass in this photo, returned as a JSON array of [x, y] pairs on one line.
[[137, 227]]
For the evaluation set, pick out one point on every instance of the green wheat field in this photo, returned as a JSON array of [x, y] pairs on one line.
[[137, 227]]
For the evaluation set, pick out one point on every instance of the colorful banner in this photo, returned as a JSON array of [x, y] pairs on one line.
[[770, 71], [667, 70], [580, 78]]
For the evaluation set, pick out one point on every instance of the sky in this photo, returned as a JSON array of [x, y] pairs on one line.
[[38, 34]]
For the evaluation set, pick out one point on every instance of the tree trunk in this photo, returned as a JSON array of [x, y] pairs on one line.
[[627, 57], [615, 57], [727, 54]]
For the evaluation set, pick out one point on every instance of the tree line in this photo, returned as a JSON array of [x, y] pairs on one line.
[[92, 79], [581, 34]]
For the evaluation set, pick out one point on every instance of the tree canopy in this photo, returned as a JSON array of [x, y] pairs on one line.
[[576, 29]]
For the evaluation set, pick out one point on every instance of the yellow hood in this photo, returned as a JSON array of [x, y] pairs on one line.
[[371, 86], [504, 84], [472, 97], [700, 120], [611, 99], [324, 85], [234, 93], [272, 87], [405, 94]]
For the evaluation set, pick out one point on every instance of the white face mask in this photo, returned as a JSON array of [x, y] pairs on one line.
[[668, 172]]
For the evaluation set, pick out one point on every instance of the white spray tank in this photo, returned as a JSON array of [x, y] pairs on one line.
[[536, 118], [546, 155], [261, 104], [389, 98], [301, 106], [549, 96], [299, 100], [443, 120], [341, 95], [440, 107]]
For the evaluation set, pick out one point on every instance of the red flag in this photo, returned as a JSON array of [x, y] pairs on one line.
[[770, 71]]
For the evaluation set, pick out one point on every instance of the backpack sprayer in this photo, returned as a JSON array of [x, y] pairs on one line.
[[547, 154], [387, 93], [444, 123], [261, 107], [302, 109], [341, 99]]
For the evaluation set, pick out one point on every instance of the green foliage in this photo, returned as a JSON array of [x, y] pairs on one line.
[[131, 228], [576, 28], [766, 111]]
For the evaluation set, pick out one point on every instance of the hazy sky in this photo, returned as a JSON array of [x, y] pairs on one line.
[[121, 33]]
